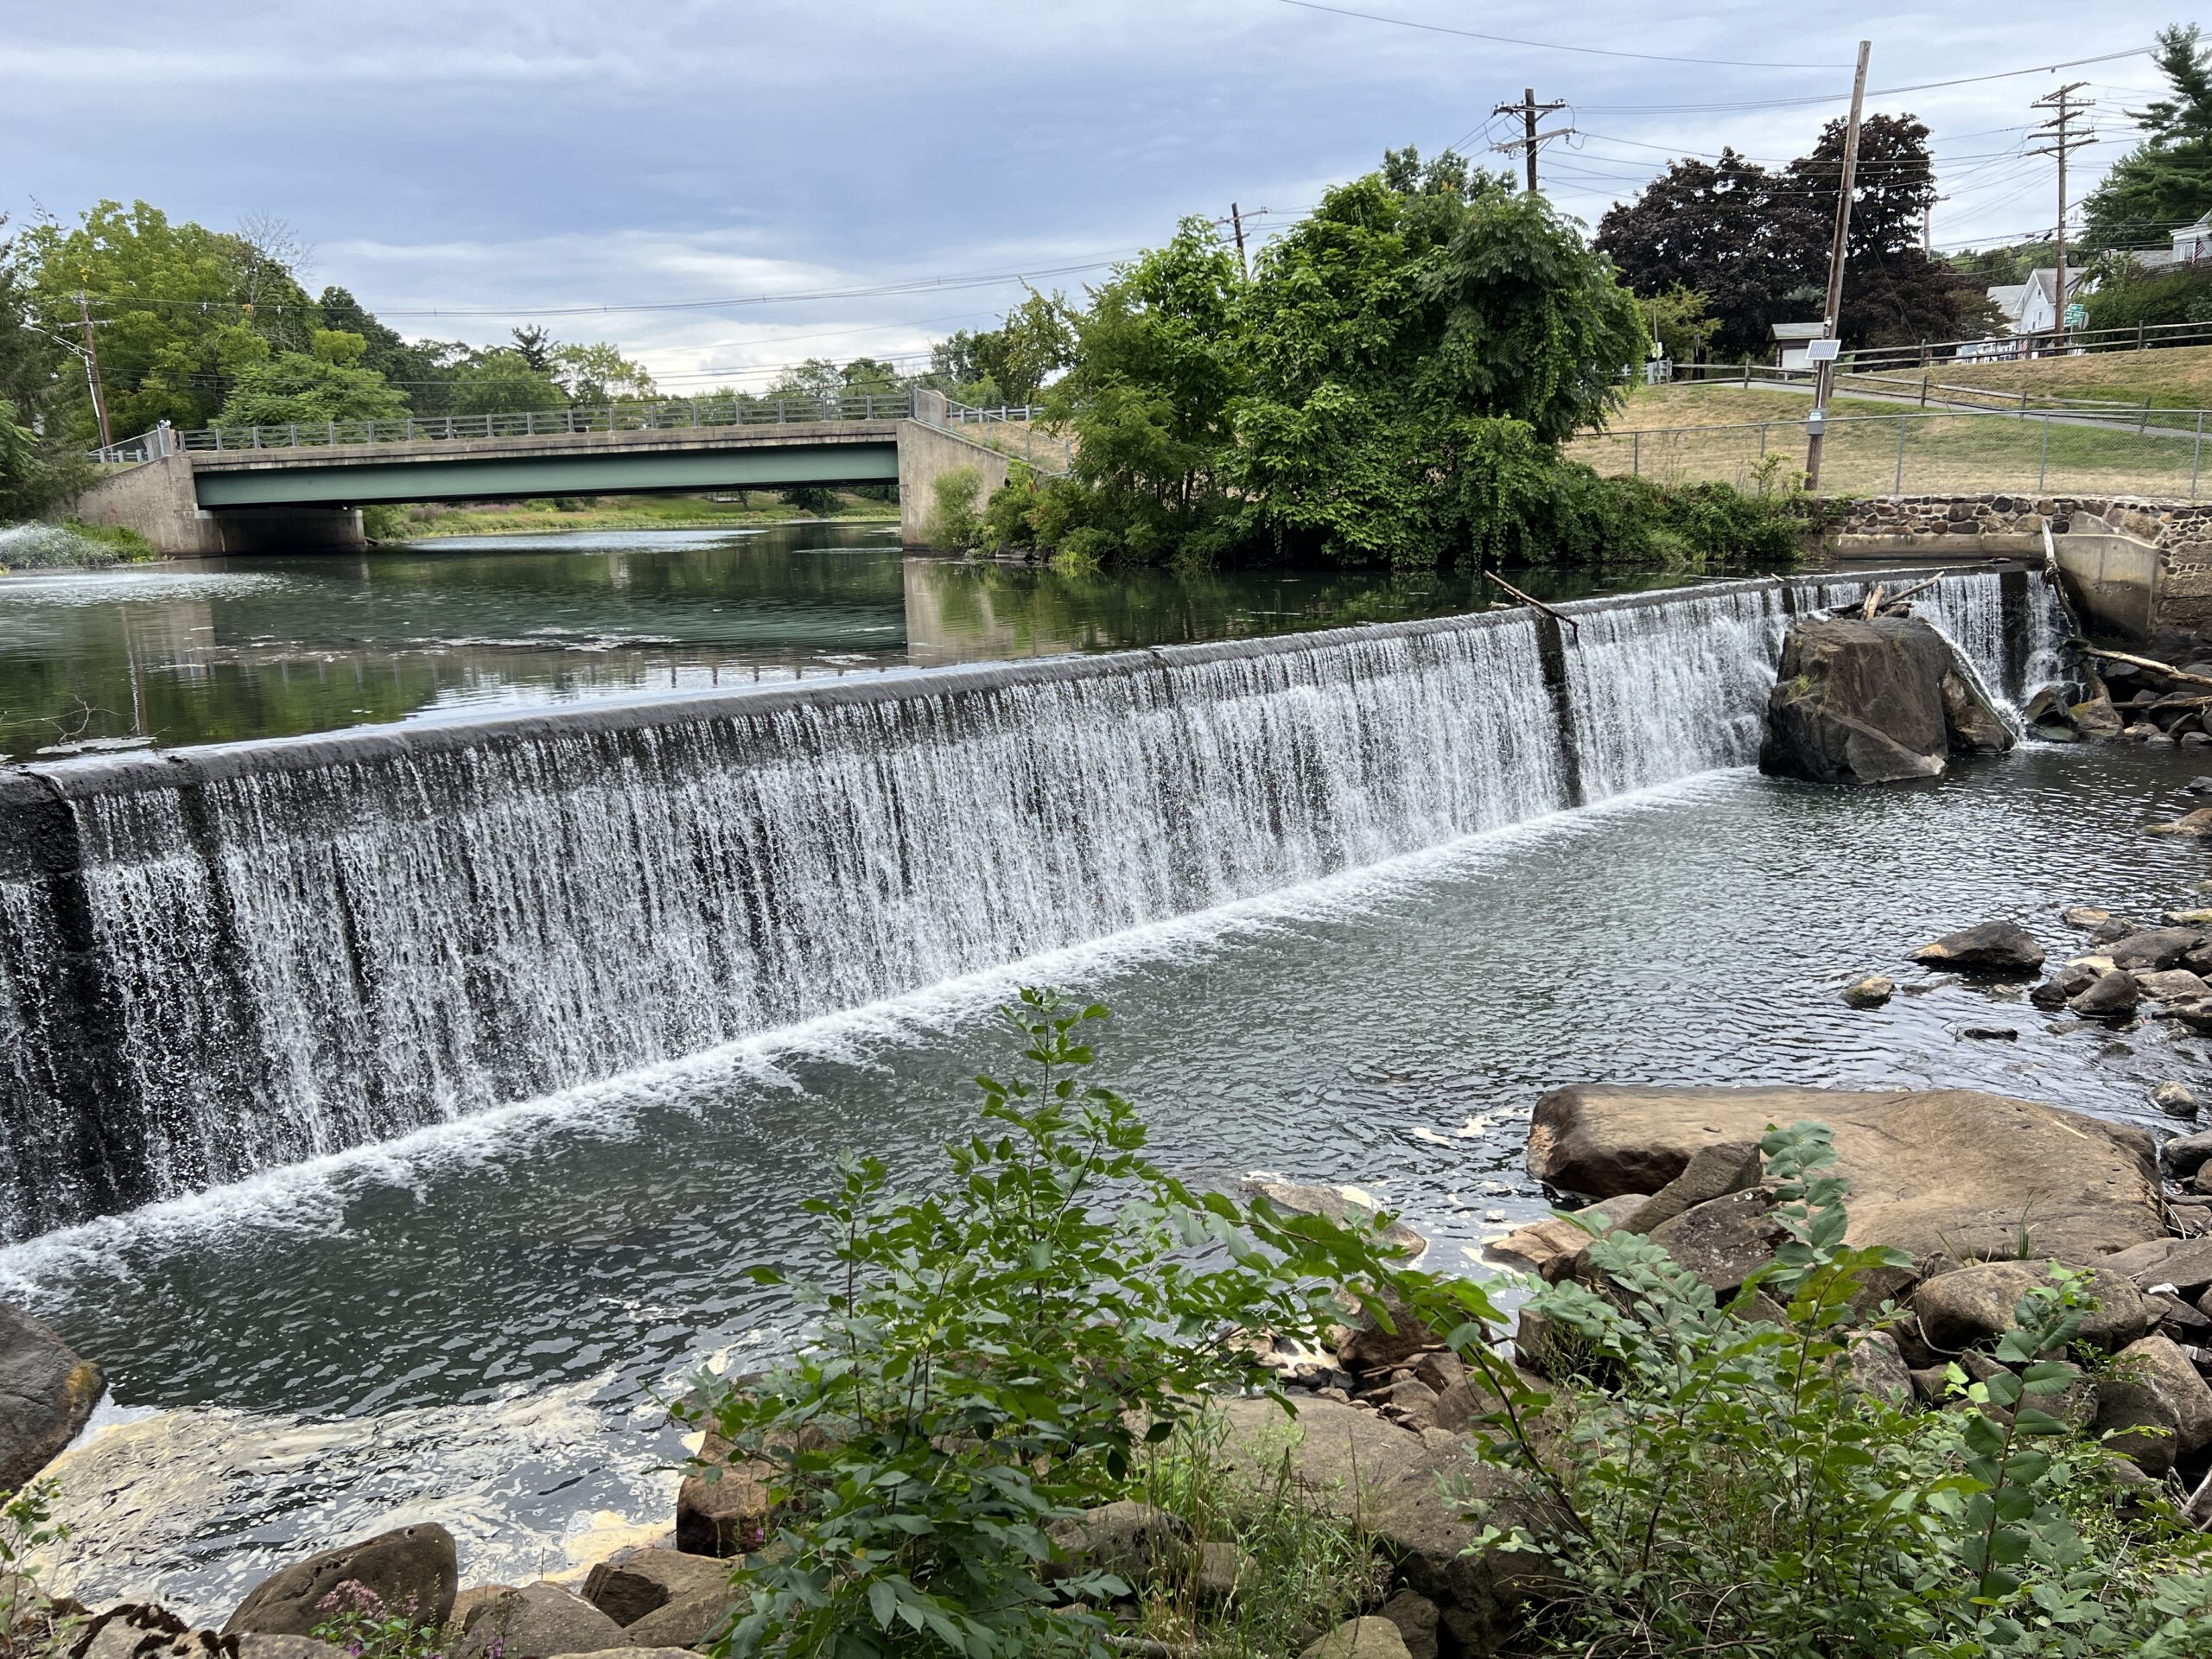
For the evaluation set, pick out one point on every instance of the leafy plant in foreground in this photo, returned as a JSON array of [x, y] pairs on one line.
[[1724, 1485], [994, 1356]]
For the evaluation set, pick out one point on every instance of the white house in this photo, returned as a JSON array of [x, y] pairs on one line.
[[1790, 341], [2192, 246]]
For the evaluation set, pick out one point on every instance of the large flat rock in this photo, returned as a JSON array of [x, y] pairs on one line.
[[1946, 1170]]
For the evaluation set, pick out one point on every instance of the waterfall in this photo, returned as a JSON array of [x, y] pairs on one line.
[[288, 949]]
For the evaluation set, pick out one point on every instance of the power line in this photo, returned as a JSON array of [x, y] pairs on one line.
[[1550, 46], [1838, 98]]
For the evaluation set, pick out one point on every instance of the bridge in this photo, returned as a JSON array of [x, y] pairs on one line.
[[301, 487]]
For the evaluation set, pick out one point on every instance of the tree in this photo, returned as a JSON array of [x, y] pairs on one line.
[[869, 375], [1410, 355], [599, 374], [1158, 367], [1678, 322], [418, 369], [1012, 363], [501, 382], [312, 388], [1756, 243], [172, 307], [2166, 181], [1724, 229], [534, 346]]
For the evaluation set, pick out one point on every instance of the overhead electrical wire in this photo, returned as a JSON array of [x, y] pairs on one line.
[[1553, 46]]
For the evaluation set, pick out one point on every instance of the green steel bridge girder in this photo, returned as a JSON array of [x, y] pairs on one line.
[[358, 483]]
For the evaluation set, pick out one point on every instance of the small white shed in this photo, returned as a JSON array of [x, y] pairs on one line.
[[1792, 340]]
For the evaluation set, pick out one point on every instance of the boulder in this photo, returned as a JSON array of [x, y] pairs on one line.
[[1974, 1306], [2159, 1364], [2184, 1263], [410, 1570], [1335, 1455], [537, 1622], [2049, 714], [1877, 1368], [1713, 1171], [1218, 1570], [1415, 1616], [1989, 948], [472, 1600], [2137, 1421], [1971, 721], [1548, 1248], [47, 1394], [2190, 826], [2171, 985], [1947, 1171], [2095, 718], [2154, 948], [721, 1507], [1333, 1204], [1133, 1542], [690, 1621], [2085, 916], [1724, 1241], [1360, 1638], [2110, 997], [2174, 1099], [1369, 1347], [254, 1645], [625, 1590], [1427, 1520], [132, 1631], [1870, 992], [625, 1653], [1859, 703], [2186, 1153]]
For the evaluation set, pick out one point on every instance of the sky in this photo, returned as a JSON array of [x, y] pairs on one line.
[[717, 188]]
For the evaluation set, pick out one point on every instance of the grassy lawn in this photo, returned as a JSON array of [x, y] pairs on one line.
[[1944, 454], [2176, 378], [755, 507]]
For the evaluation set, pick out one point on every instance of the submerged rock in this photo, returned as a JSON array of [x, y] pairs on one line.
[[2109, 996], [1870, 992], [2174, 1099], [1990, 948], [1947, 1171]]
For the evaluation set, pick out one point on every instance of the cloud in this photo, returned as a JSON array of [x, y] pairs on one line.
[[560, 154]]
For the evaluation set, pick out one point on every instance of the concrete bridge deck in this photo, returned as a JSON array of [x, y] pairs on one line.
[[302, 490]]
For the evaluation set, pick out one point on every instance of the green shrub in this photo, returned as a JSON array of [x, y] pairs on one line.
[[385, 521], [954, 524], [1725, 1488], [998, 1356], [816, 500]]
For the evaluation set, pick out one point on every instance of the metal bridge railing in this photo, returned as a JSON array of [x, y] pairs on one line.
[[727, 409]]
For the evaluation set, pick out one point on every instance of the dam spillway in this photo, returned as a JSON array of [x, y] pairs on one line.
[[221, 960]]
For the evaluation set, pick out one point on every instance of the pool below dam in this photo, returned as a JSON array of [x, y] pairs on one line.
[[440, 1082]]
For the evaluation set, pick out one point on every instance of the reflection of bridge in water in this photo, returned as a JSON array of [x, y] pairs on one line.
[[299, 488]]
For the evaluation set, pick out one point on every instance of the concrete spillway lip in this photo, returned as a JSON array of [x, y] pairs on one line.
[[143, 771]]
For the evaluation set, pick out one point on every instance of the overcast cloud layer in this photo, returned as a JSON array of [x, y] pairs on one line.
[[507, 158]]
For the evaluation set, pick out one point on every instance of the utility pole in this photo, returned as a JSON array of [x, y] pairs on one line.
[[1527, 109], [2061, 141], [1236, 222], [93, 362], [1824, 371]]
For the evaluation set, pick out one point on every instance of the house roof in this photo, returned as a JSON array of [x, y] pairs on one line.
[[1799, 330]]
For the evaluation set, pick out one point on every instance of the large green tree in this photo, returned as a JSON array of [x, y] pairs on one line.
[[501, 382], [178, 308], [1012, 363], [2166, 181], [312, 388], [421, 369], [1410, 351]]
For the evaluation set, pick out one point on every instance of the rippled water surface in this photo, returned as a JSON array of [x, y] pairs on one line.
[[470, 1325], [208, 651]]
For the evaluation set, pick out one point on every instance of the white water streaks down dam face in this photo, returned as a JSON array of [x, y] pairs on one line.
[[233, 958]]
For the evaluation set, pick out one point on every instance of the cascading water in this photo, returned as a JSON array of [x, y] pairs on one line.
[[293, 947]]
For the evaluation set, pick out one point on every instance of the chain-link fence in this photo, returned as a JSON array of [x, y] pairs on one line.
[[1917, 454]]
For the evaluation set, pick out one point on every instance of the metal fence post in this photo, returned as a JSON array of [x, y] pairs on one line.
[[1636, 453], [1897, 489], [2043, 468], [2196, 460], [1761, 440]]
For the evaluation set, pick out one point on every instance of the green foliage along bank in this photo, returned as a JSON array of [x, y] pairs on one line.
[[1392, 384]]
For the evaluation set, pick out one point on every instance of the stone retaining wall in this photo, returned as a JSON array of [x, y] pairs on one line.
[[2179, 533]]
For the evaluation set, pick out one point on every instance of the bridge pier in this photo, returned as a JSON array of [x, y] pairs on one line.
[[927, 454]]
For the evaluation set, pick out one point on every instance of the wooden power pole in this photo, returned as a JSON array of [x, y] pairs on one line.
[[93, 360], [1236, 222], [1527, 109], [2062, 141], [1824, 371]]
